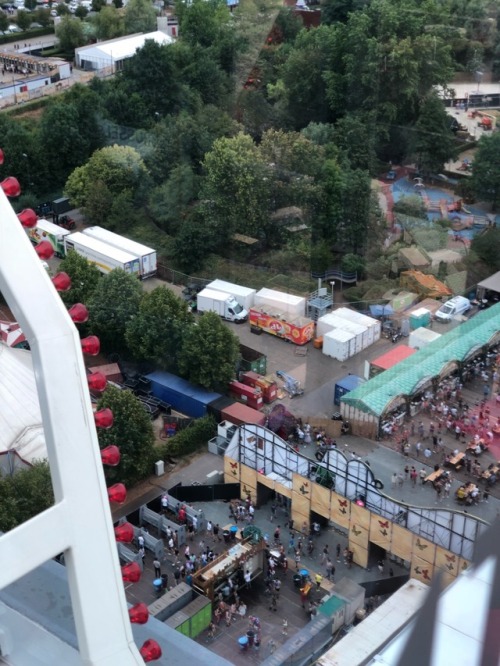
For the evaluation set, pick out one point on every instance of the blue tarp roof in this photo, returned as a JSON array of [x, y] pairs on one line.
[[350, 382], [183, 386], [381, 310]]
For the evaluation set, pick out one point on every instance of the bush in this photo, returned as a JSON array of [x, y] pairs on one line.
[[194, 437]]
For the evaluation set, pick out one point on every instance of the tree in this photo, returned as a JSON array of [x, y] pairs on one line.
[[237, 186], [81, 12], [169, 204], [23, 20], [69, 133], [69, 32], [209, 353], [113, 304], [42, 16], [486, 172], [139, 16], [199, 235], [485, 246], [24, 495], [4, 22], [132, 432], [433, 142], [84, 278], [116, 168], [157, 330], [108, 23]]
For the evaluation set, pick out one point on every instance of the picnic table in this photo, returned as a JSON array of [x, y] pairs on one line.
[[434, 476], [457, 461], [472, 447], [490, 471]]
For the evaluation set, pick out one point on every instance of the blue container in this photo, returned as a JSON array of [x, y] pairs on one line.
[[304, 573], [233, 530], [182, 395], [345, 385], [243, 643]]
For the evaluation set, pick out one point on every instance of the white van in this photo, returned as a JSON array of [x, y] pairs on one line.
[[457, 305]]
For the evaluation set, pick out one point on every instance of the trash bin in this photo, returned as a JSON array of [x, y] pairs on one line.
[[226, 534], [297, 580], [304, 575], [243, 643], [233, 531], [251, 637], [164, 581], [157, 584]]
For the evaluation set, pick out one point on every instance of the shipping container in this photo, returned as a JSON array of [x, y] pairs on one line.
[[268, 386], [339, 344], [373, 325], [294, 306], [215, 408], [252, 359], [244, 295], [422, 337], [345, 385], [240, 414], [246, 394], [182, 395], [332, 321], [146, 255]]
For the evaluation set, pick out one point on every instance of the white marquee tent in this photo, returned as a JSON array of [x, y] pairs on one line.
[[22, 438]]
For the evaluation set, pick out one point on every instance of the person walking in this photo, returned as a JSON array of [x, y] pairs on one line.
[[157, 567], [324, 554], [338, 549], [142, 553], [394, 480], [418, 448], [330, 569], [423, 475], [216, 530], [413, 476], [318, 580]]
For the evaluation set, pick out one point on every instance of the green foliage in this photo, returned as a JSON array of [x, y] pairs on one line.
[[69, 32], [132, 432], [140, 16], [190, 439], [109, 173], [24, 495], [169, 203], [209, 353], [352, 263], [156, 332], [108, 23], [23, 19], [84, 278], [114, 303], [81, 12], [4, 21], [42, 16], [412, 205], [198, 236], [433, 142], [486, 172], [485, 246]]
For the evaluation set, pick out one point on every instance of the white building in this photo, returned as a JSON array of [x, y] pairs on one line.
[[111, 54]]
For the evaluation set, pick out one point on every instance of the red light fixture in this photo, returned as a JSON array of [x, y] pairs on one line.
[[139, 614], [79, 313], [11, 187], [44, 250], [131, 572], [110, 456], [91, 345], [2, 156], [150, 651], [104, 418], [124, 533], [28, 218], [62, 281], [97, 381], [117, 493]]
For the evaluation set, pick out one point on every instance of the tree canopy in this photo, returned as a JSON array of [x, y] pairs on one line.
[[84, 278], [24, 495], [486, 172]]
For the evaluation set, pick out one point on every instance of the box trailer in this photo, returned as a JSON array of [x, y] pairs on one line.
[[244, 295], [293, 306], [332, 321], [240, 414], [252, 359], [373, 325], [299, 330], [226, 306], [104, 256], [146, 255], [268, 386], [246, 394], [51, 232], [339, 344], [181, 394]]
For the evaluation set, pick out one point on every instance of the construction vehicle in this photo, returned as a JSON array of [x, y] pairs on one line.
[[291, 385]]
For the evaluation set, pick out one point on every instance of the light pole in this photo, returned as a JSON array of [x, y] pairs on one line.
[[332, 283]]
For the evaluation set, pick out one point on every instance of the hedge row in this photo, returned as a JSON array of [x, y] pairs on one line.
[[192, 438]]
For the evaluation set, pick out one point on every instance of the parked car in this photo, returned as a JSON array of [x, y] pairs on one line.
[[457, 305]]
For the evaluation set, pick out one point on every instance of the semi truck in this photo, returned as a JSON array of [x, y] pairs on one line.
[[227, 307], [146, 255], [51, 232], [104, 256], [244, 295]]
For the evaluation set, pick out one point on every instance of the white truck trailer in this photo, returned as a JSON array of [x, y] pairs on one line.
[[226, 306], [244, 295], [51, 232], [104, 256], [146, 255], [293, 306]]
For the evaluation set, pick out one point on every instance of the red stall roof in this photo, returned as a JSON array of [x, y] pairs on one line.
[[393, 357]]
